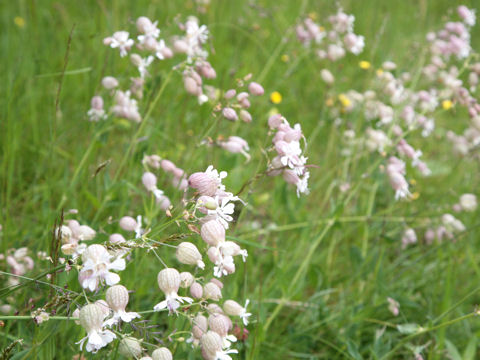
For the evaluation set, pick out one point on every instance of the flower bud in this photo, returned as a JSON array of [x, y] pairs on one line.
[[327, 76], [85, 232], [191, 86], [180, 46], [149, 180], [275, 121], [143, 24], [200, 326], [255, 89], [203, 183], [167, 166], [109, 82], [212, 232], [117, 297], [91, 317], [130, 347], [187, 253], [104, 306], [136, 60], [217, 282], [245, 116], [196, 290], [169, 280], [211, 343], [186, 279], [220, 324], [64, 233], [212, 291], [208, 202], [116, 239], [128, 223], [214, 309], [230, 94], [229, 114], [233, 308], [162, 354], [96, 103], [163, 202]]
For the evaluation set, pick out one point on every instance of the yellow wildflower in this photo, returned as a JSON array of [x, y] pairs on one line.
[[365, 65], [276, 97], [19, 21], [346, 102], [447, 104]]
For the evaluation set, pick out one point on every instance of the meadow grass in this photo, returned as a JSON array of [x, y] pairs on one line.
[[321, 267]]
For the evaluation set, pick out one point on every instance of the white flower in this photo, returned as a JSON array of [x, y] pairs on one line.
[[222, 265], [144, 63], [96, 114], [117, 299], [150, 31], [224, 210], [138, 229], [158, 50], [96, 267], [121, 40], [91, 318], [302, 184], [169, 282]]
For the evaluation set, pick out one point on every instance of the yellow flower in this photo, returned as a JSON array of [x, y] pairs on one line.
[[313, 15], [346, 102], [413, 182], [379, 72], [447, 104], [364, 65], [285, 58], [415, 195], [276, 97], [19, 21]]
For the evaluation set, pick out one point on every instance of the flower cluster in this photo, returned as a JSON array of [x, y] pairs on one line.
[[290, 161], [331, 44]]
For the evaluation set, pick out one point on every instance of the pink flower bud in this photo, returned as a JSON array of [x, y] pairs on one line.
[[116, 239], [191, 86], [149, 180], [180, 46], [196, 290], [212, 232], [143, 24], [217, 282], [109, 82], [245, 116], [275, 121], [128, 223], [97, 103], [212, 291], [220, 324], [229, 114], [167, 166], [200, 326], [211, 343], [230, 94], [203, 183], [255, 89]]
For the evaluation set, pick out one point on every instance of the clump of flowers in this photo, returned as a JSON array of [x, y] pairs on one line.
[[289, 161], [334, 43]]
